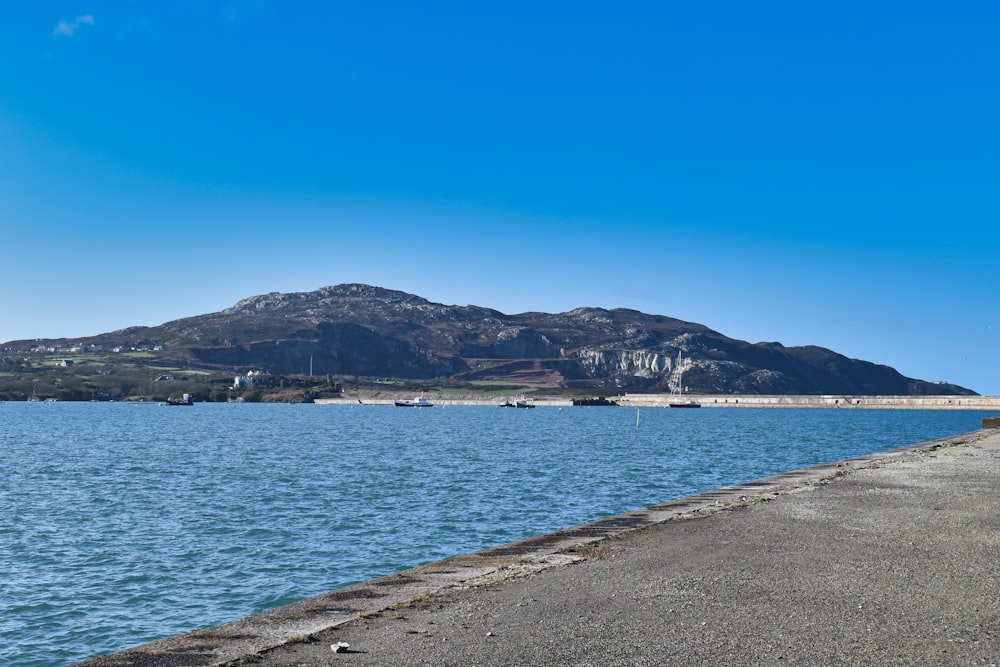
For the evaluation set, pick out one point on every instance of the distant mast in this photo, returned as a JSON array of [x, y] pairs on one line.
[[678, 389]]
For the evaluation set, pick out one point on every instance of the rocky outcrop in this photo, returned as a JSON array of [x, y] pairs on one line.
[[624, 367]]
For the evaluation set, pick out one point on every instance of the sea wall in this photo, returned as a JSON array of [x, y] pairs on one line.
[[253, 639], [863, 402], [732, 401]]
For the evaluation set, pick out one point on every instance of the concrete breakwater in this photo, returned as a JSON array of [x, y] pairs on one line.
[[441, 400], [829, 401], [869, 542], [729, 401]]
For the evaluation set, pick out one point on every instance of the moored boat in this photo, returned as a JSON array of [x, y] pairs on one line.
[[418, 402], [520, 403], [186, 399]]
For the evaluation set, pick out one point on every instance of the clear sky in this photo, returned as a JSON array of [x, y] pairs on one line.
[[817, 173]]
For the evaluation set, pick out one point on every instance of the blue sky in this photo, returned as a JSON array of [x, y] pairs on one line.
[[810, 173]]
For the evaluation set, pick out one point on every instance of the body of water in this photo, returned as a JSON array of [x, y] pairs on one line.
[[121, 523]]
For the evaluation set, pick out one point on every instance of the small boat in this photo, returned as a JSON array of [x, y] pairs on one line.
[[186, 399], [596, 400], [521, 403], [418, 402], [678, 389]]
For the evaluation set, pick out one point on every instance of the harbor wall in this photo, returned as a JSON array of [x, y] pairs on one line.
[[732, 401], [826, 401], [251, 639]]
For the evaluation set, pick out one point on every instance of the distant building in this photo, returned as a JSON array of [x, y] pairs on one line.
[[247, 380]]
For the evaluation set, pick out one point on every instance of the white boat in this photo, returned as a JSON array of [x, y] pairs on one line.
[[418, 402], [678, 389], [520, 403]]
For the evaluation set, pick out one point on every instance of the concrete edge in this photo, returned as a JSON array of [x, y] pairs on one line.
[[269, 629]]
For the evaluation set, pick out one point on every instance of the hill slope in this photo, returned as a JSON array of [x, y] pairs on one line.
[[361, 330]]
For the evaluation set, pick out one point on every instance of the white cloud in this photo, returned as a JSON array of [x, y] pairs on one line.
[[67, 28]]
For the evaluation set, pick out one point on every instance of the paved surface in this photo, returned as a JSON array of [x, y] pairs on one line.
[[886, 560]]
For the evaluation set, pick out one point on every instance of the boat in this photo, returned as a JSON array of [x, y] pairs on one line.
[[678, 389], [595, 400], [186, 399], [418, 402], [520, 403]]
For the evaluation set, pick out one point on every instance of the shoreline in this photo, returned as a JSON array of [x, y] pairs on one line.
[[351, 612]]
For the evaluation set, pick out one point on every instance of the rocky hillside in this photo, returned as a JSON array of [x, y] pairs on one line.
[[360, 330]]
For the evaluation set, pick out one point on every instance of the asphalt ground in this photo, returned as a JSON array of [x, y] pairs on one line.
[[892, 559]]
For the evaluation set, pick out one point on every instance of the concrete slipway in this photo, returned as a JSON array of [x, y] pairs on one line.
[[888, 559]]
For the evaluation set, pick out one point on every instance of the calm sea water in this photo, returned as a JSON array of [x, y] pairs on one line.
[[120, 524]]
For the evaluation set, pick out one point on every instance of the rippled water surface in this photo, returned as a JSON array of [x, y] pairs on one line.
[[120, 524]]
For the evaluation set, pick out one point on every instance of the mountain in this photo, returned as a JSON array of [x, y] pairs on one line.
[[366, 331]]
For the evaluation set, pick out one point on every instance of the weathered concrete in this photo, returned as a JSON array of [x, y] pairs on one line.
[[882, 559]]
